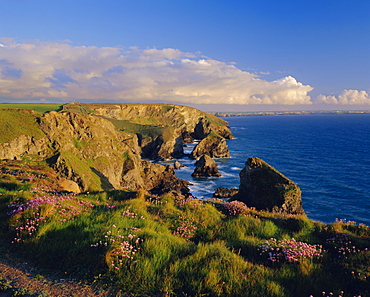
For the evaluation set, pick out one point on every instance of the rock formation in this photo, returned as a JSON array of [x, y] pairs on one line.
[[223, 192], [206, 126], [213, 145], [178, 165], [186, 137], [205, 167], [167, 182], [164, 127], [265, 188], [89, 151]]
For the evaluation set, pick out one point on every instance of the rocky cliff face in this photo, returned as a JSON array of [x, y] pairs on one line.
[[90, 152], [23, 145], [156, 141], [205, 126], [265, 188]]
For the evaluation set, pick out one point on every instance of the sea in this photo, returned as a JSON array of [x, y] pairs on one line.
[[326, 155]]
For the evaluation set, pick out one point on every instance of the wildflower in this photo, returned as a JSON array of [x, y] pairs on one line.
[[289, 250]]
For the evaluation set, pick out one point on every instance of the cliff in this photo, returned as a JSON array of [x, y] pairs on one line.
[[160, 128], [101, 146]]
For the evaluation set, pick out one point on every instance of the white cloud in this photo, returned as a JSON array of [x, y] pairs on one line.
[[347, 97], [59, 70]]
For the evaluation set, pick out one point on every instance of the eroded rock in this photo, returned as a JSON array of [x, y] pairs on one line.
[[213, 145], [223, 192], [186, 137], [178, 165], [265, 188], [205, 127], [206, 167], [167, 182]]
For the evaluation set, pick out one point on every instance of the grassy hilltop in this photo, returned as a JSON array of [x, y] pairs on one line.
[[128, 242]]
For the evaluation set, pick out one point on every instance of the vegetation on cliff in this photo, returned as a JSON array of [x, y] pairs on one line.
[[15, 123], [132, 243], [134, 230]]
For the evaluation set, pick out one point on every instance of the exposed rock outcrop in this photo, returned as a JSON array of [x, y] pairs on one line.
[[23, 145], [69, 186], [186, 137], [167, 182], [178, 165], [265, 188], [185, 122], [206, 126], [206, 167], [223, 192], [213, 145], [89, 151]]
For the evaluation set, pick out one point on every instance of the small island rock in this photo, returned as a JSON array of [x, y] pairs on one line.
[[206, 167], [213, 145]]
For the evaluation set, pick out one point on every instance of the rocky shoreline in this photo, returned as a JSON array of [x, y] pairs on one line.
[[100, 147]]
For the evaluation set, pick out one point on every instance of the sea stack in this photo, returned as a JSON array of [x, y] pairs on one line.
[[206, 167], [213, 145], [265, 188]]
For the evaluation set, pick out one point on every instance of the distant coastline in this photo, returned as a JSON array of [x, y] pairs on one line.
[[267, 113]]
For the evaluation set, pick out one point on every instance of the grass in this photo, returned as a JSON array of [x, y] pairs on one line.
[[11, 127], [83, 168], [131, 243], [216, 120], [146, 131], [38, 107]]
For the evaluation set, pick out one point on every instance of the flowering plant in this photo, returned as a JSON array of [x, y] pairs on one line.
[[66, 207], [289, 250], [123, 248], [235, 208], [184, 227]]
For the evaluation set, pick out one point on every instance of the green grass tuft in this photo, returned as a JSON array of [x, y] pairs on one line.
[[11, 127], [41, 108]]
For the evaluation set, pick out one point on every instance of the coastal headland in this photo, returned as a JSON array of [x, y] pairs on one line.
[[82, 195]]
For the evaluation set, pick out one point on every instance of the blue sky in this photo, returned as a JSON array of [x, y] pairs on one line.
[[216, 55]]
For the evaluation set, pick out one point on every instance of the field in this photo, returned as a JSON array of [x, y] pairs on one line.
[[38, 107], [131, 243]]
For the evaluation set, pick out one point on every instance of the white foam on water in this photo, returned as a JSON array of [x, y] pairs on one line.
[[236, 168], [223, 173], [203, 188]]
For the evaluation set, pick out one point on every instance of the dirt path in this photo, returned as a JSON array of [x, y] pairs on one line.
[[25, 280]]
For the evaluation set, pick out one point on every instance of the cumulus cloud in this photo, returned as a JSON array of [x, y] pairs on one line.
[[347, 97], [61, 70]]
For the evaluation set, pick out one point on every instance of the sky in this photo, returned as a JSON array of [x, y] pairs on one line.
[[213, 55]]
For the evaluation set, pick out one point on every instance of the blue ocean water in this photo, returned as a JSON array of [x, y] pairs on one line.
[[327, 155]]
